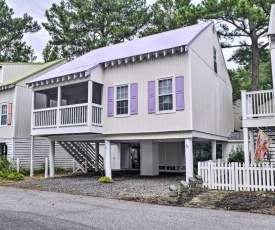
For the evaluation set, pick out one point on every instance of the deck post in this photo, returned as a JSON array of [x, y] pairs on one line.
[[189, 158], [90, 103], [251, 145], [214, 150], [246, 147], [32, 153], [107, 159], [58, 113], [96, 156], [244, 104], [52, 156]]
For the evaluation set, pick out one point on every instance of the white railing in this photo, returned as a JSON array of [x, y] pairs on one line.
[[258, 103], [96, 114], [73, 114], [68, 115], [44, 117], [236, 176]]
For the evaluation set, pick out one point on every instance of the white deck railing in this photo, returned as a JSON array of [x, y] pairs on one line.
[[44, 117], [68, 116], [258, 103], [96, 114], [73, 114]]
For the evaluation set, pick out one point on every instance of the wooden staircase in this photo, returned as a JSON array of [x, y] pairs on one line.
[[80, 151]]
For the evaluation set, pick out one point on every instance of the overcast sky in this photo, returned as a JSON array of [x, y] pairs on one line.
[[36, 9]]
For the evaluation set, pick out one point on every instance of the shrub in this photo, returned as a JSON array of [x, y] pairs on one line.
[[105, 179], [24, 171], [15, 176], [236, 155], [4, 163]]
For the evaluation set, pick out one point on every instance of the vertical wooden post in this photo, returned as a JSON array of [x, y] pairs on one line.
[[189, 158], [58, 113], [244, 104], [18, 164], [107, 159], [90, 103], [214, 150], [52, 156], [86, 164], [32, 155], [96, 156], [246, 146], [46, 168], [251, 146]]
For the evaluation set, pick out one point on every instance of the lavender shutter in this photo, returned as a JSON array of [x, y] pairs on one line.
[[110, 108], [179, 93], [134, 98], [151, 97]]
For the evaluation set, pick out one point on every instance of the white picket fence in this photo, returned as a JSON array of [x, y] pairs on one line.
[[236, 176]]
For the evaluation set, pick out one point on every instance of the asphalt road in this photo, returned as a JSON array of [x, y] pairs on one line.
[[35, 210]]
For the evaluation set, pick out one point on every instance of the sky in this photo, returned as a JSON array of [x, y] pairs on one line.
[[36, 9]]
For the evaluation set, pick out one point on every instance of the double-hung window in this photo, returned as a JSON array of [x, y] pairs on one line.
[[4, 114], [122, 100], [165, 94]]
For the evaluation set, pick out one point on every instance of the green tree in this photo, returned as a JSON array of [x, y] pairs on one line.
[[246, 19], [79, 26], [241, 77], [170, 14], [12, 30]]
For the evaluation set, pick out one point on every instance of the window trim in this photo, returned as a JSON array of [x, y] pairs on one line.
[[115, 100], [5, 114], [173, 110]]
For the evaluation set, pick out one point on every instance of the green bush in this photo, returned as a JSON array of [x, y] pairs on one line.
[[105, 179], [15, 176], [236, 155], [24, 171], [4, 163]]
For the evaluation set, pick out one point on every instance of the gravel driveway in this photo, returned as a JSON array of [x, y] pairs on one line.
[[128, 186]]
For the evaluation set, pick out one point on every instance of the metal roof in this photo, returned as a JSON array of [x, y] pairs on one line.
[[166, 41], [40, 67]]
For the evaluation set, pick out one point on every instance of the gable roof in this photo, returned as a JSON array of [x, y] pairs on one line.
[[40, 67], [175, 39]]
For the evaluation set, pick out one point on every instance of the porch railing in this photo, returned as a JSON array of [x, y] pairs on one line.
[[45, 117], [73, 114], [96, 114], [68, 116], [258, 103]]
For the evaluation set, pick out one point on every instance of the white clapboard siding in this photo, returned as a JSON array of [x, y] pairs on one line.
[[22, 150], [236, 176]]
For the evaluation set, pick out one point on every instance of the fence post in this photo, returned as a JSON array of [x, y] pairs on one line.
[[18, 164], [46, 168]]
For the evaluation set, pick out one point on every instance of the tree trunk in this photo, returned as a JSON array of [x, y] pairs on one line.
[[255, 57]]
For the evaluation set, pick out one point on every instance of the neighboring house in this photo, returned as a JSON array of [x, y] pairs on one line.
[[146, 100], [258, 106], [15, 113]]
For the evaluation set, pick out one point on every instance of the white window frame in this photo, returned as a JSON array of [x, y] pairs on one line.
[[1, 105], [115, 100], [173, 95]]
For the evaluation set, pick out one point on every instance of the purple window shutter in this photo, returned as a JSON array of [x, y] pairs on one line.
[[134, 98], [151, 97], [179, 93], [110, 102]]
